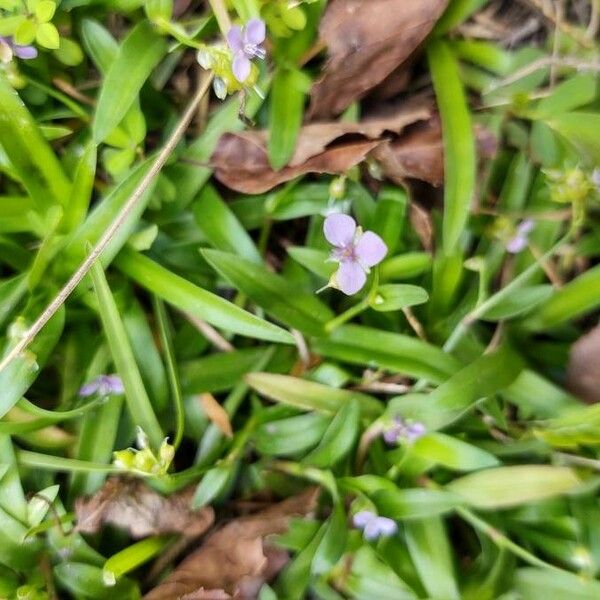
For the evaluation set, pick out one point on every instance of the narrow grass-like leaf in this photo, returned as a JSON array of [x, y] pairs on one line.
[[138, 403], [430, 551], [452, 453], [287, 100], [190, 298], [309, 395], [14, 215], [139, 53], [31, 156], [541, 584], [221, 227], [575, 299], [520, 303], [131, 558], [12, 497], [87, 581], [376, 348], [580, 129], [339, 437], [414, 503], [459, 143], [487, 375], [275, 294], [333, 543], [286, 437], [503, 487]]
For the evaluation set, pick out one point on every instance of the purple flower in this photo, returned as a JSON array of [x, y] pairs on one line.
[[103, 385], [596, 178], [354, 250], [403, 430], [245, 42], [519, 241], [373, 526], [8, 49]]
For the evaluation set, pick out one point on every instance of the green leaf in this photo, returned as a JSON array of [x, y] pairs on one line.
[[333, 542], [81, 193], [40, 504], [309, 395], [397, 296], [400, 353], [430, 551], [576, 91], [280, 298], [578, 297], [580, 130], [542, 584], [100, 45], [414, 503], [221, 227], [314, 260], [30, 155], [211, 486], [12, 497], [287, 101], [521, 302], [486, 375], [190, 298], [294, 435], [139, 53], [405, 266], [390, 216], [131, 558], [138, 403], [451, 452], [25, 33], [87, 581], [459, 143], [338, 439], [371, 578], [503, 487]]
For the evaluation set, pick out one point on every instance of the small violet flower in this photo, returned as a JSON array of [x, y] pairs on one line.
[[246, 44], [401, 430], [373, 526], [355, 251], [519, 241], [103, 385], [8, 49]]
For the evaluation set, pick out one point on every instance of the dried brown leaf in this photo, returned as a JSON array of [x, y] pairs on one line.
[[216, 413], [236, 560], [419, 153], [132, 505], [367, 40], [583, 371], [241, 159]]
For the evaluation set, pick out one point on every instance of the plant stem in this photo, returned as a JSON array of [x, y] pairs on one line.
[[114, 227], [220, 11], [503, 541]]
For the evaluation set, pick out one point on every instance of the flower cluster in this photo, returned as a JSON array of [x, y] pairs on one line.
[[232, 67], [354, 250], [142, 460], [374, 526], [403, 430]]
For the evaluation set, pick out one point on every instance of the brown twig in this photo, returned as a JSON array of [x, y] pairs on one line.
[[114, 227], [210, 333], [542, 63], [73, 92]]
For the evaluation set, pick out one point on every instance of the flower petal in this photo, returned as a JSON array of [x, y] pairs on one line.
[[115, 383], [371, 531], [386, 526], [370, 249], [241, 67], [516, 244], [361, 518], [89, 388], [339, 229], [350, 277], [525, 226], [255, 32], [25, 52], [235, 39]]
